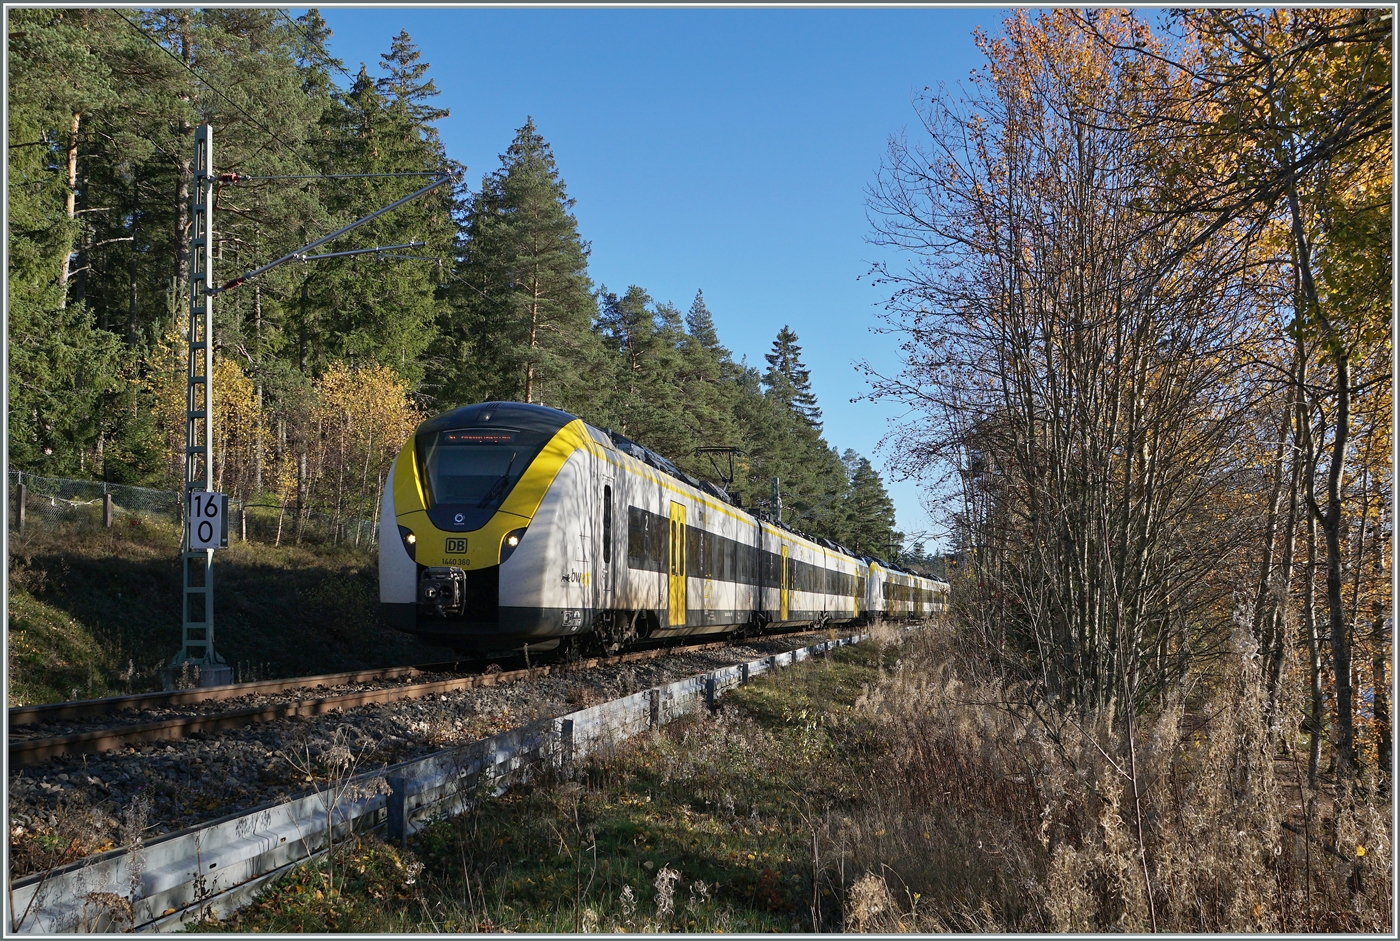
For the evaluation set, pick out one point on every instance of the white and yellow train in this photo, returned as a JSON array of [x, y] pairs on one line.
[[506, 524]]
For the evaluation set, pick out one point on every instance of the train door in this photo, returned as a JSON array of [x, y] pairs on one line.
[[784, 582], [606, 550], [677, 568]]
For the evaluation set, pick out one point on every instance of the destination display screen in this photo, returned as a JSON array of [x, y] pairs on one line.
[[474, 436]]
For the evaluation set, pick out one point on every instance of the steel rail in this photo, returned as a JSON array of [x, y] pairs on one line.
[[89, 708], [29, 752]]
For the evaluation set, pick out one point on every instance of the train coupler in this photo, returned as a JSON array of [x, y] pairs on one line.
[[444, 589]]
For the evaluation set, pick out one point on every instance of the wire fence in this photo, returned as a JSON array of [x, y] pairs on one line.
[[54, 502]]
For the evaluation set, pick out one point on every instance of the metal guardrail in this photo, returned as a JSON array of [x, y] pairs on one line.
[[217, 868]]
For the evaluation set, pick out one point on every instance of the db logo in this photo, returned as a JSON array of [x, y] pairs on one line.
[[456, 545]]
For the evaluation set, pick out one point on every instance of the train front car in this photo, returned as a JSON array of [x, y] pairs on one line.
[[485, 536]]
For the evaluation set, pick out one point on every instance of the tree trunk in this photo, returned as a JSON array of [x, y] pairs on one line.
[[374, 530], [534, 340], [258, 435], [364, 482], [1303, 432], [132, 305], [302, 485], [1331, 518], [70, 201], [1277, 654], [1380, 683], [1262, 621], [258, 426], [1318, 711], [1336, 611]]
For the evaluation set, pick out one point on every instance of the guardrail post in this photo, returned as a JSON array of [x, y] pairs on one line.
[[106, 509], [654, 695], [20, 492], [398, 810], [744, 674], [710, 692], [566, 744]]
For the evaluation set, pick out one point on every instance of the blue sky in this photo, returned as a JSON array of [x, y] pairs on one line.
[[718, 149]]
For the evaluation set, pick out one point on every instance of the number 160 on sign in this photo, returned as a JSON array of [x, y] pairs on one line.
[[208, 520]]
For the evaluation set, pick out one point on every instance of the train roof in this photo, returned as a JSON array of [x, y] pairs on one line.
[[652, 459], [528, 416], [521, 415]]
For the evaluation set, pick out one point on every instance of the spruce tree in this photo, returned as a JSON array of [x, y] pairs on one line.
[[368, 309], [522, 302], [700, 323], [405, 83], [789, 381], [60, 363], [647, 402], [783, 434], [867, 513], [708, 380]]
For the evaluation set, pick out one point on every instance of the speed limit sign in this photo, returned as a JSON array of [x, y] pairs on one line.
[[208, 520]]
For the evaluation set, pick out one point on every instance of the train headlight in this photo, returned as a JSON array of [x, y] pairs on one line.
[[410, 542], [509, 543]]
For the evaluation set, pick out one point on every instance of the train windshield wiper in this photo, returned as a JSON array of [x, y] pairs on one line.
[[499, 486]]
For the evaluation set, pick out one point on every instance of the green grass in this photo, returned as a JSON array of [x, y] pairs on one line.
[[53, 657], [731, 803], [98, 611]]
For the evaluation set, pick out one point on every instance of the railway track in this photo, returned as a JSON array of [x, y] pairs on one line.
[[27, 750], [182, 775]]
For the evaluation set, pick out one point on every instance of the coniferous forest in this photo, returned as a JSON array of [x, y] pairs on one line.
[[323, 369]]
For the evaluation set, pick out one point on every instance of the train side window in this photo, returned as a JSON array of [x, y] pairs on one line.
[[636, 537], [646, 540], [696, 538], [607, 525]]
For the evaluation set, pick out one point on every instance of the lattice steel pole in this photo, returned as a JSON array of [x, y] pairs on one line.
[[197, 601]]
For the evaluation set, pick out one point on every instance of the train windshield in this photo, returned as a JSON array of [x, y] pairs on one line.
[[475, 468]]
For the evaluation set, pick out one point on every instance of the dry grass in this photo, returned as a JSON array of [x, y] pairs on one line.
[[994, 813]]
